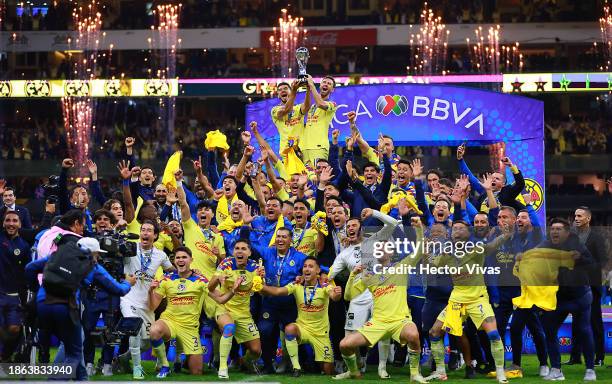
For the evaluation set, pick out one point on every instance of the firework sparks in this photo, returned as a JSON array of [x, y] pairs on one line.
[[78, 109], [429, 47], [286, 38], [163, 61], [605, 23], [488, 57]]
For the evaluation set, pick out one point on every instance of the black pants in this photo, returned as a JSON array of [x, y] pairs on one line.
[[596, 325], [337, 318]]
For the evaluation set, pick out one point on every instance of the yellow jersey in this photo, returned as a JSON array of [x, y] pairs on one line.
[[290, 125], [312, 304], [201, 242], [304, 240], [185, 298], [316, 131], [239, 304]]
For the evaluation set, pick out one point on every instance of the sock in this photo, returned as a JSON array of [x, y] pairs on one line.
[[414, 359], [292, 350], [160, 351], [135, 350], [172, 350], [351, 363], [497, 348], [437, 351], [225, 344], [383, 352]]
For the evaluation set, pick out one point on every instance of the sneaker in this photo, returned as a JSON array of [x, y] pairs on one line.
[[484, 369], [107, 370], [90, 369], [163, 372], [382, 372], [222, 374], [469, 372], [256, 369], [589, 375], [599, 363], [437, 375], [514, 372], [572, 361], [501, 376], [296, 372], [347, 375], [555, 374], [544, 370], [138, 373], [418, 379]]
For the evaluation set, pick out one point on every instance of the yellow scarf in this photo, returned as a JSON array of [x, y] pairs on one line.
[[279, 224], [538, 270], [395, 199], [318, 222], [223, 207], [229, 224], [173, 165]]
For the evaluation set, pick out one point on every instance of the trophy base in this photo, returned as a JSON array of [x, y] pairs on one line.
[[302, 79]]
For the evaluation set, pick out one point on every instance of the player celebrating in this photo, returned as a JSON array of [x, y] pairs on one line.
[[391, 316], [136, 302], [229, 271], [185, 292], [468, 298], [360, 308], [287, 117], [312, 324], [315, 142]]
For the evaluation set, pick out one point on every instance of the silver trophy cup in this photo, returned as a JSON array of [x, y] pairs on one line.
[[301, 56]]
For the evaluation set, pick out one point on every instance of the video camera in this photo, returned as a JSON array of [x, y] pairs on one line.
[[112, 335], [51, 189], [118, 246]]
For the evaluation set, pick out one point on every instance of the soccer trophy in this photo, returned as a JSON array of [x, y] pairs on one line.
[[301, 56]]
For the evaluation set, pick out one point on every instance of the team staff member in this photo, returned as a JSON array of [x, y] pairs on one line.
[[287, 116], [229, 271], [181, 319], [312, 324], [14, 255], [315, 142]]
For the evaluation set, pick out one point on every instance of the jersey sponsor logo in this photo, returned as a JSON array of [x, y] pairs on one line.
[[311, 308], [504, 257], [381, 291], [182, 300], [397, 104]]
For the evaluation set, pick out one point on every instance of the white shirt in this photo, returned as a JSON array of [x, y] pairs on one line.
[[348, 259], [143, 266]]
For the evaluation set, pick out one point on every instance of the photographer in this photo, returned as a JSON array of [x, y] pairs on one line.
[[57, 299], [69, 227], [14, 255]]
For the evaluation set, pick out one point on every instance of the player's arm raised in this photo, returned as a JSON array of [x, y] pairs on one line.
[[315, 95]]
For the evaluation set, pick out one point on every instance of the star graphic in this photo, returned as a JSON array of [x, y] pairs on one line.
[[564, 83], [540, 85], [588, 81], [516, 86]]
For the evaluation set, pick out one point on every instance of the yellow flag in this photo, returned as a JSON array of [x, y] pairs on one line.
[[173, 165]]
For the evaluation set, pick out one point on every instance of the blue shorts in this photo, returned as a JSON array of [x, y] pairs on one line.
[[10, 310]]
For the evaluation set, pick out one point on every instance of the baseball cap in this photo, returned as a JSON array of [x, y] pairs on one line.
[[90, 244]]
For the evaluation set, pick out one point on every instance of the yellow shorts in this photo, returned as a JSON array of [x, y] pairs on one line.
[[375, 330], [313, 154], [321, 344], [187, 338], [213, 309], [246, 330], [478, 311]]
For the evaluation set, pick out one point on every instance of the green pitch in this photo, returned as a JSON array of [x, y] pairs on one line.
[[573, 374]]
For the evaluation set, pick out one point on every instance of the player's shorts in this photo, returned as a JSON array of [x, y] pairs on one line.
[[478, 311], [246, 330], [187, 338], [357, 315], [375, 330], [313, 154], [321, 344], [148, 317], [10, 310], [213, 309]]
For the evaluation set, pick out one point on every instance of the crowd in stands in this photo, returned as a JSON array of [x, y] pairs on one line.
[[264, 13]]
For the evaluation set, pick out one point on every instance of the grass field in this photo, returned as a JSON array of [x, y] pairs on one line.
[[573, 374]]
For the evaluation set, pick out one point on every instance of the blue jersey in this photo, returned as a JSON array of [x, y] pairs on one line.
[[14, 256]]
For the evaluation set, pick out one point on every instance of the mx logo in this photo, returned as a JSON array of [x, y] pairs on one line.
[[387, 104]]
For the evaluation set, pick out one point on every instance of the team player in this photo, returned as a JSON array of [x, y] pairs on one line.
[[136, 303], [314, 142], [360, 307], [184, 291], [230, 270], [288, 117], [390, 315], [312, 324], [469, 297]]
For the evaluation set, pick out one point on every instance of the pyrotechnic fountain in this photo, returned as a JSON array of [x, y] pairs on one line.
[[429, 47], [487, 56], [163, 63], [605, 23], [78, 109], [289, 35]]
